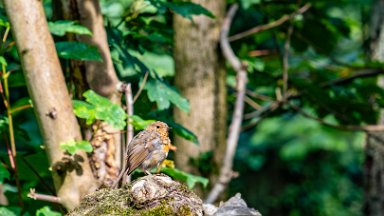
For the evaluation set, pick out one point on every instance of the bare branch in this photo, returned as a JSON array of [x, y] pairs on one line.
[[366, 128], [43, 197], [226, 172], [285, 61], [270, 25], [129, 102]]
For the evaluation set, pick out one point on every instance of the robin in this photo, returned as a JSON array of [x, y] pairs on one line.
[[147, 149]]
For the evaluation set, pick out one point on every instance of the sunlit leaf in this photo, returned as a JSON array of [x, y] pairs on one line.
[[106, 110], [163, 95], [189, 179], [139, 123], [61, 27], [73, 146], [46, 211]]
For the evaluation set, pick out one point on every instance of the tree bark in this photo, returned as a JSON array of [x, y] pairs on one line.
[[374, 152], [102, 78], [201, 77], [72, 175]]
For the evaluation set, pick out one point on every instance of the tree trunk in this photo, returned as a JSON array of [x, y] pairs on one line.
[[101, 77], [71, 174], [200, 76], [374, 152]]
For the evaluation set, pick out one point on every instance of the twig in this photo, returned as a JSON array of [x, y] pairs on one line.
[[226, 172], [129, 101], [38, 176], [285, 61], [141, 87], [270, 25], [361, 74], [366, 128], [252, 103], [12, 160], [126, 88], [43, 197]]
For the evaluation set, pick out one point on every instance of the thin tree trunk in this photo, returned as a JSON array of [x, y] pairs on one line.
[[50, 98], [374, 152], [200, 76], [101, 77]]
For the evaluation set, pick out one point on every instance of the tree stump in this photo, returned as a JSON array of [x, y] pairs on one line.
[[149, 195]]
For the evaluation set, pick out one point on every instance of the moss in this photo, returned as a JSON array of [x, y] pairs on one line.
[[161, 210], [185, 211]]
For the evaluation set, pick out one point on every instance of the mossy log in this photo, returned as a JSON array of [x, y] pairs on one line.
[[149, 195]]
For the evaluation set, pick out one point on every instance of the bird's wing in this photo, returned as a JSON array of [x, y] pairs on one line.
[[140, 147]]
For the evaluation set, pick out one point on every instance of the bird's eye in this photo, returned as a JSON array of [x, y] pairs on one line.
[[157, 126]]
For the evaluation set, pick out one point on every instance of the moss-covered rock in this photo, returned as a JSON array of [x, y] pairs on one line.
[[147, 196]]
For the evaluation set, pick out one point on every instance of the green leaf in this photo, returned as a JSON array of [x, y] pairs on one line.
[[106, 110], [248, 3], [78, 51], [139, 123], [72, 146], [189, 179], [4, 22], [46, 211], [183, 132], [84, 110], [3, 61], [188, 9], [163, 95], [84, 145], [7, 212], [61, 27], [4, 174]]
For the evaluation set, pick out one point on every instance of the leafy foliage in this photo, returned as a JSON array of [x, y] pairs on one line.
[[46, 211], [100, 108], [77, 50], [4, 174], [189, 179], [73, 146], [60, 27], [163, 95], [5, 211]]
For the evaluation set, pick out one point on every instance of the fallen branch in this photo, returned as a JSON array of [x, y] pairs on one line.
[[226, 172], [270, 25]]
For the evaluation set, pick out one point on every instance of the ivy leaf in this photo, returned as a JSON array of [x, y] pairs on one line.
[[189, 179], [77, 50], [188, 9], [163, 95], [139, 123], [61, 27], [4, 174], [46, 211], [84, 145], [106, 110], [84, 110], [73, 146]]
